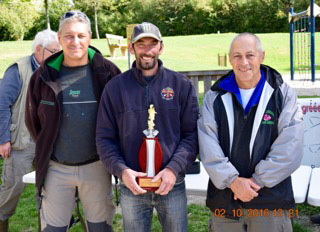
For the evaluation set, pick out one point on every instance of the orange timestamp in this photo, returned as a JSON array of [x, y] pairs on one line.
[[292, 213]]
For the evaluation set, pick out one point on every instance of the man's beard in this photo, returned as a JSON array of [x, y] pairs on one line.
[[147, 65]]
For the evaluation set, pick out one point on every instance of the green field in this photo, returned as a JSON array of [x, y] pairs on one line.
[[182, 53]]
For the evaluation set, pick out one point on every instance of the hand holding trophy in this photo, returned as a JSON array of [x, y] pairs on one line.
[[150, 154]]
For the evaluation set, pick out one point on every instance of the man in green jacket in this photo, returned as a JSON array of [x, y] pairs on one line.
[[61, 112]]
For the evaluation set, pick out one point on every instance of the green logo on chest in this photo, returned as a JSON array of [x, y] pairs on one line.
[[74, 93]]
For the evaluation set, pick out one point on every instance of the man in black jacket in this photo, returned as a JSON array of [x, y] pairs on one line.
[[61, 112], [122, 118], [251, 141]]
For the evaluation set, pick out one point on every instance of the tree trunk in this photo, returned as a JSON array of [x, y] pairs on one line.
[[47, 14], [96, 19]]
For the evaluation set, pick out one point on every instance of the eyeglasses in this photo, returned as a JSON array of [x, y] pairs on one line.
[[52, 52], [72, 13]]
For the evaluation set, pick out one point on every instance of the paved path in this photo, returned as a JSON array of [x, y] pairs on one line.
[[303, 85]]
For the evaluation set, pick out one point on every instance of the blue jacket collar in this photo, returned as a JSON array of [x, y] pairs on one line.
[[229, 84]]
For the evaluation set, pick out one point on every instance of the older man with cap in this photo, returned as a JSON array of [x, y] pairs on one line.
[[16, 145], [122, 118], [62, 105]]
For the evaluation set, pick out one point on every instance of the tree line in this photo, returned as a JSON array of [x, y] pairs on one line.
[[22, 19]]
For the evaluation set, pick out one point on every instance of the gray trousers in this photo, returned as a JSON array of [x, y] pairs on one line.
[[95, 191], [18, 164], [251, 221]]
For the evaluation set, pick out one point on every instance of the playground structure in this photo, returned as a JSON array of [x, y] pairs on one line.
[[302, 41]]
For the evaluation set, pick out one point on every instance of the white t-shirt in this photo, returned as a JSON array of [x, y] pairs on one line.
[[246, 95]]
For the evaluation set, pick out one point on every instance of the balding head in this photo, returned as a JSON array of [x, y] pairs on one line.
[[248, 35], [246, 56]]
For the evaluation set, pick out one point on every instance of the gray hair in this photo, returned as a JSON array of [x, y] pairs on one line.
[[44, 38], [258, 41], [75, 15]]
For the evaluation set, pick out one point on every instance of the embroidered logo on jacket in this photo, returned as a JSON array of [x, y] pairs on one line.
[[268, 118], [74, 93], [45, 103], [167, 93]]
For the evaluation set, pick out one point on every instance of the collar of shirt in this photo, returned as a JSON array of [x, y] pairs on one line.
[[34, 63], [230, 85]]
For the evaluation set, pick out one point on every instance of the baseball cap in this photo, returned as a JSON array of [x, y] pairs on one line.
[[145, 30]]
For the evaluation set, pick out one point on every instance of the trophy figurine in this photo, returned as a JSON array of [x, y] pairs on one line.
[[150, 154]]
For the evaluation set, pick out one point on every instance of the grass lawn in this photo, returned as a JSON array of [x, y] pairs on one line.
[[182, 53], [25, 218]]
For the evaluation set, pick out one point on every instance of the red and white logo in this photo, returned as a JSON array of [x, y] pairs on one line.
[[167, 93]]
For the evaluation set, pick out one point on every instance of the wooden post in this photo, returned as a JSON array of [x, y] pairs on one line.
[[195, 82], [222, 60], [207, 83], [129, 35]]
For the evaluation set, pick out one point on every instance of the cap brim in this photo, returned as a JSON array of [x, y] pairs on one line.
[[144, 35]]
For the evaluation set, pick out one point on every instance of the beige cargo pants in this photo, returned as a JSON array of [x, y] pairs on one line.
[[95, 192]]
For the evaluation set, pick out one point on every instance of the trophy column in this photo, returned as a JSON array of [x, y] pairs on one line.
[[150, 155]]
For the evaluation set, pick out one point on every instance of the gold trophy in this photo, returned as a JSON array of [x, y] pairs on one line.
[[150, 154]]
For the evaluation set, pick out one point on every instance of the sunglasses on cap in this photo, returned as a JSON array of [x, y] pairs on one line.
[[72, 13]]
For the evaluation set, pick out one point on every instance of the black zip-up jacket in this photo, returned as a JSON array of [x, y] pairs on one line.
[[123, 115], [44, 100]]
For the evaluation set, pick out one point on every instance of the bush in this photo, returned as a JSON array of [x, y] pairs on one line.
[[56, 9], [256, 16], [176, 17], [173, 17], [14, 21]]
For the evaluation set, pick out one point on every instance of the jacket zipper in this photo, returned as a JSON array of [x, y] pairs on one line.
[[59, 108], [147, 95]]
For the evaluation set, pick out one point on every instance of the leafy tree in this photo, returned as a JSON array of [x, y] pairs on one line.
[[175, 17], [91, 7], [112, 16], [46, 6], [14, 22], [56, 9]]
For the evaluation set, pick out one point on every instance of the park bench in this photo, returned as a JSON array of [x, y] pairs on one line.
[[115, 41]]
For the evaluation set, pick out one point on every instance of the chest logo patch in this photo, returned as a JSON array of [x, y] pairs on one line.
[[268, 118], [74, 93], [167, 93]]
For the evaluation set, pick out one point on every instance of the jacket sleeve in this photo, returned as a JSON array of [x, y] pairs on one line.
[[31, 117], [287, 150], [217, 165], [9, 91], [187, 150], [114, 70], [107, 138]]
